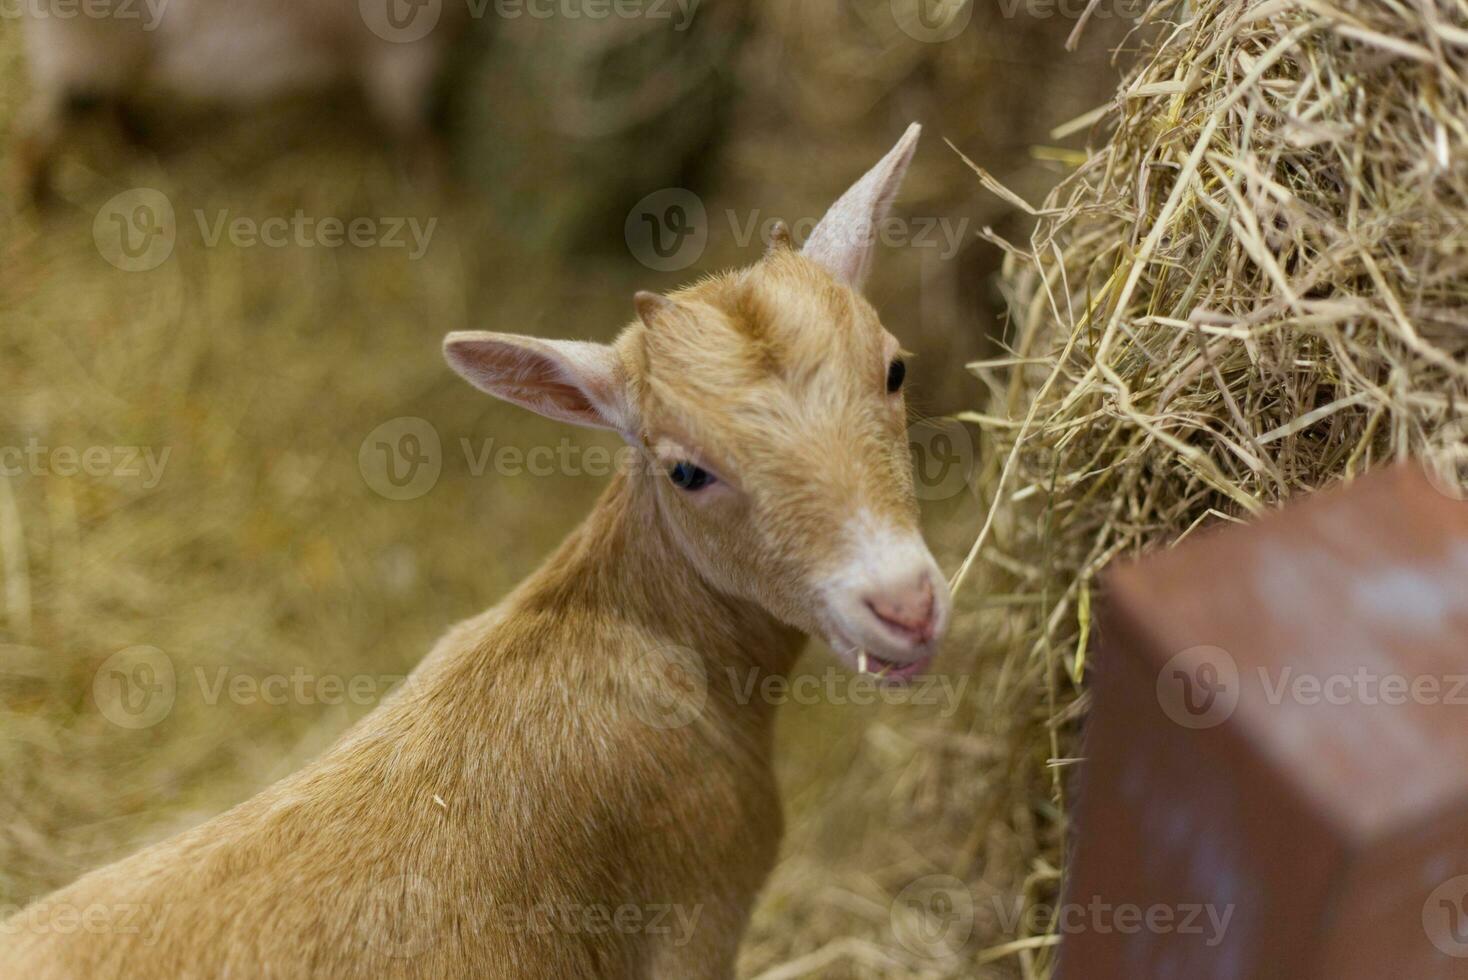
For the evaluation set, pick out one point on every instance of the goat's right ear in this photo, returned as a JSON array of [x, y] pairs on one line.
[[569, 380], [845, 238]]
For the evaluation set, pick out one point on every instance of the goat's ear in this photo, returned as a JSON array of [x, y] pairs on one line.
[[569, 380], [844, 239]]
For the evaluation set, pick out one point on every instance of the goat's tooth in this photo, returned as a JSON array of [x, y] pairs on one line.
[[861, 661]]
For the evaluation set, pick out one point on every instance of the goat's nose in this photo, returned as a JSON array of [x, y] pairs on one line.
[[908, 609]]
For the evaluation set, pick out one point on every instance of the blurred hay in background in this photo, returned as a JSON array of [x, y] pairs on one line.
[[566, 121], [1256, 285]]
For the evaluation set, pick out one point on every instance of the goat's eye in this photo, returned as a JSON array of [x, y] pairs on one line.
[[686, 476], [896, 371]]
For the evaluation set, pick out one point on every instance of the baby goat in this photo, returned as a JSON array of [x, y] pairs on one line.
[[235, 52], [576, 782]]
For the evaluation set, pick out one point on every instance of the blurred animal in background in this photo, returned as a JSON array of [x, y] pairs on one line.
[[110, 54], [578, 782]]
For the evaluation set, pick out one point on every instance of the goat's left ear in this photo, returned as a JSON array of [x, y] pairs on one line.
[[844, 239], [569, 380]]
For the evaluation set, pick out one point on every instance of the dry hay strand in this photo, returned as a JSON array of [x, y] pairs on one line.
[[1254, 286]]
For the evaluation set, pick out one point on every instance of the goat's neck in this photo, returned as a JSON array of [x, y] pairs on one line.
[[623, 564]]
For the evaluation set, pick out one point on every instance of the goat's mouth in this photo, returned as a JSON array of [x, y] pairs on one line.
[[883, 670]]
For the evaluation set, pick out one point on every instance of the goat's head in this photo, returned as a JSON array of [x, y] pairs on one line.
[[769, 402]]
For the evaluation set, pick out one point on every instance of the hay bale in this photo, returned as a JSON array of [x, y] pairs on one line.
[[1253, 286]]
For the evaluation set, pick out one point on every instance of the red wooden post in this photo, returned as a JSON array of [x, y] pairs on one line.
[[1276, 783]]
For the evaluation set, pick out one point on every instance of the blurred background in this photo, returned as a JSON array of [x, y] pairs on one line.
[[233, 444]]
